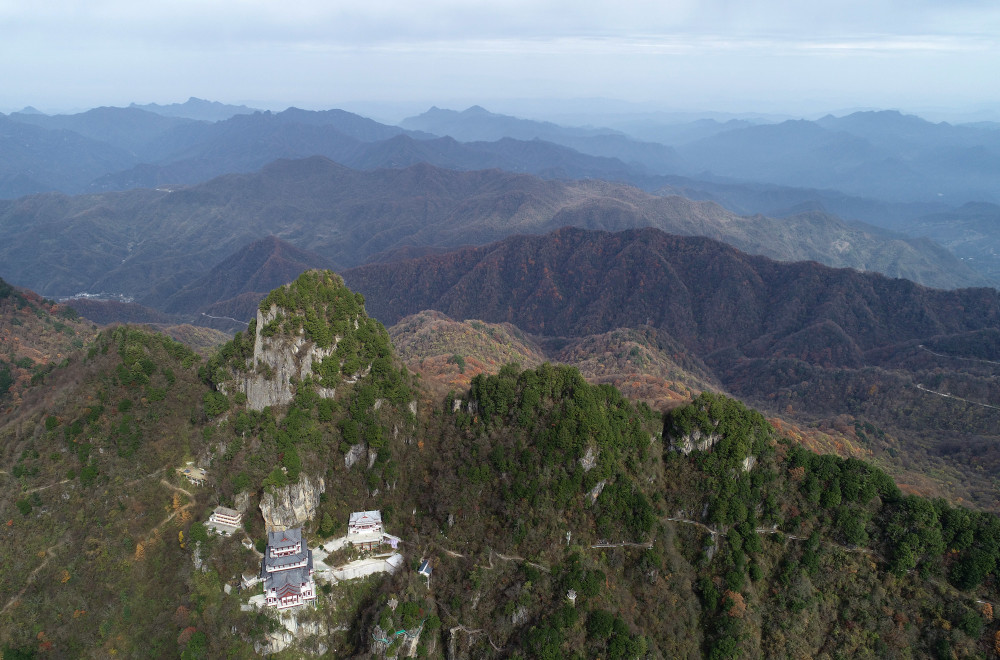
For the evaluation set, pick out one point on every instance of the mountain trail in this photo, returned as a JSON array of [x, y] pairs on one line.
[[956, 357], [31, 578], [957, 398], [189, 504]]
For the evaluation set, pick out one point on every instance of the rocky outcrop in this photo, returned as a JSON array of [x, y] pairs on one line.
[[241, 501], [307, 635], [686, 444], [291, 506], [354, 454], [277, 360], [596, 491]]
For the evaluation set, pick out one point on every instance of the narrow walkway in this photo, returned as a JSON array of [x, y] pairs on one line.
[[522, 560], [39, 488], [476, 631], [623, 544], [774, 530], [470, 631]]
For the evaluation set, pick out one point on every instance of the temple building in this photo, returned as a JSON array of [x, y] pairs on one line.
[[287, 570], [364, 529], [224, 521]]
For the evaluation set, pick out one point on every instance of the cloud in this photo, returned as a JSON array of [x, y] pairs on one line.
[[244, 49]]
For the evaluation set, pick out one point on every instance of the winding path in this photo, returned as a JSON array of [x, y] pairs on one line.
[[225, 318], [31, 578], [189, 504], [957, 398], [956, 357]]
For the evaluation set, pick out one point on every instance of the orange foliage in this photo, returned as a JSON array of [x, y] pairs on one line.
[[181, 615], [185, 635], [987, 612], [739, 606], [65, 577]]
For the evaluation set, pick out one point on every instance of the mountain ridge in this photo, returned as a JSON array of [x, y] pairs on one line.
[[346, 216]]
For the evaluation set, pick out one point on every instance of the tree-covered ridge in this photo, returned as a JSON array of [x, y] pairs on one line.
[[542, 439], [819, 507], [91, 557], [318, 303], [36, 335], [737, 432], [318, 306]]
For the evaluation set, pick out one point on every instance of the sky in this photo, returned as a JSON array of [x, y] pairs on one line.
[[770, 56]]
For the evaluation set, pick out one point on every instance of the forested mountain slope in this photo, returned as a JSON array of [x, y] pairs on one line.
[[560, 519], [800, 339]]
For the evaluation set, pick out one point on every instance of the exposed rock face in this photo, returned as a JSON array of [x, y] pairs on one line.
[[354, 454], [589, 460], [291, 506], [276, 361], [596, 491], [241, 501], [293, 631], [694, 440]]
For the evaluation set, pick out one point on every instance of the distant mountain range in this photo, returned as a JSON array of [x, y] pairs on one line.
[[150, 244], [477, 124], [885, 155], [256, 269], [881, 168], [195, 108]]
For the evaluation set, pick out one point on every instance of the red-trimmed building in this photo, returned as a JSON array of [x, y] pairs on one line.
[[287, 570]]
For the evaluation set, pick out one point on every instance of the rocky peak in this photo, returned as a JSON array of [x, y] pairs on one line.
[[313, 328]]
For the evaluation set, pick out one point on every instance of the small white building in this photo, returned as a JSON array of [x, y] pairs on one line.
[[224, 521], [365, 522], [365, 530]]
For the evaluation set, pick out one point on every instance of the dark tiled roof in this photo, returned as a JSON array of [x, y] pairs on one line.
[[287, 582], [285, 538], [276, 563]]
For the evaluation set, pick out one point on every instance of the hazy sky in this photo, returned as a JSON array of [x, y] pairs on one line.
[[771, 56]]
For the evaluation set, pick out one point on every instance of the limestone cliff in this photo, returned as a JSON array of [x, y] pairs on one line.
[[313, 328], [689, 442], [293, 505], [277, 361]]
